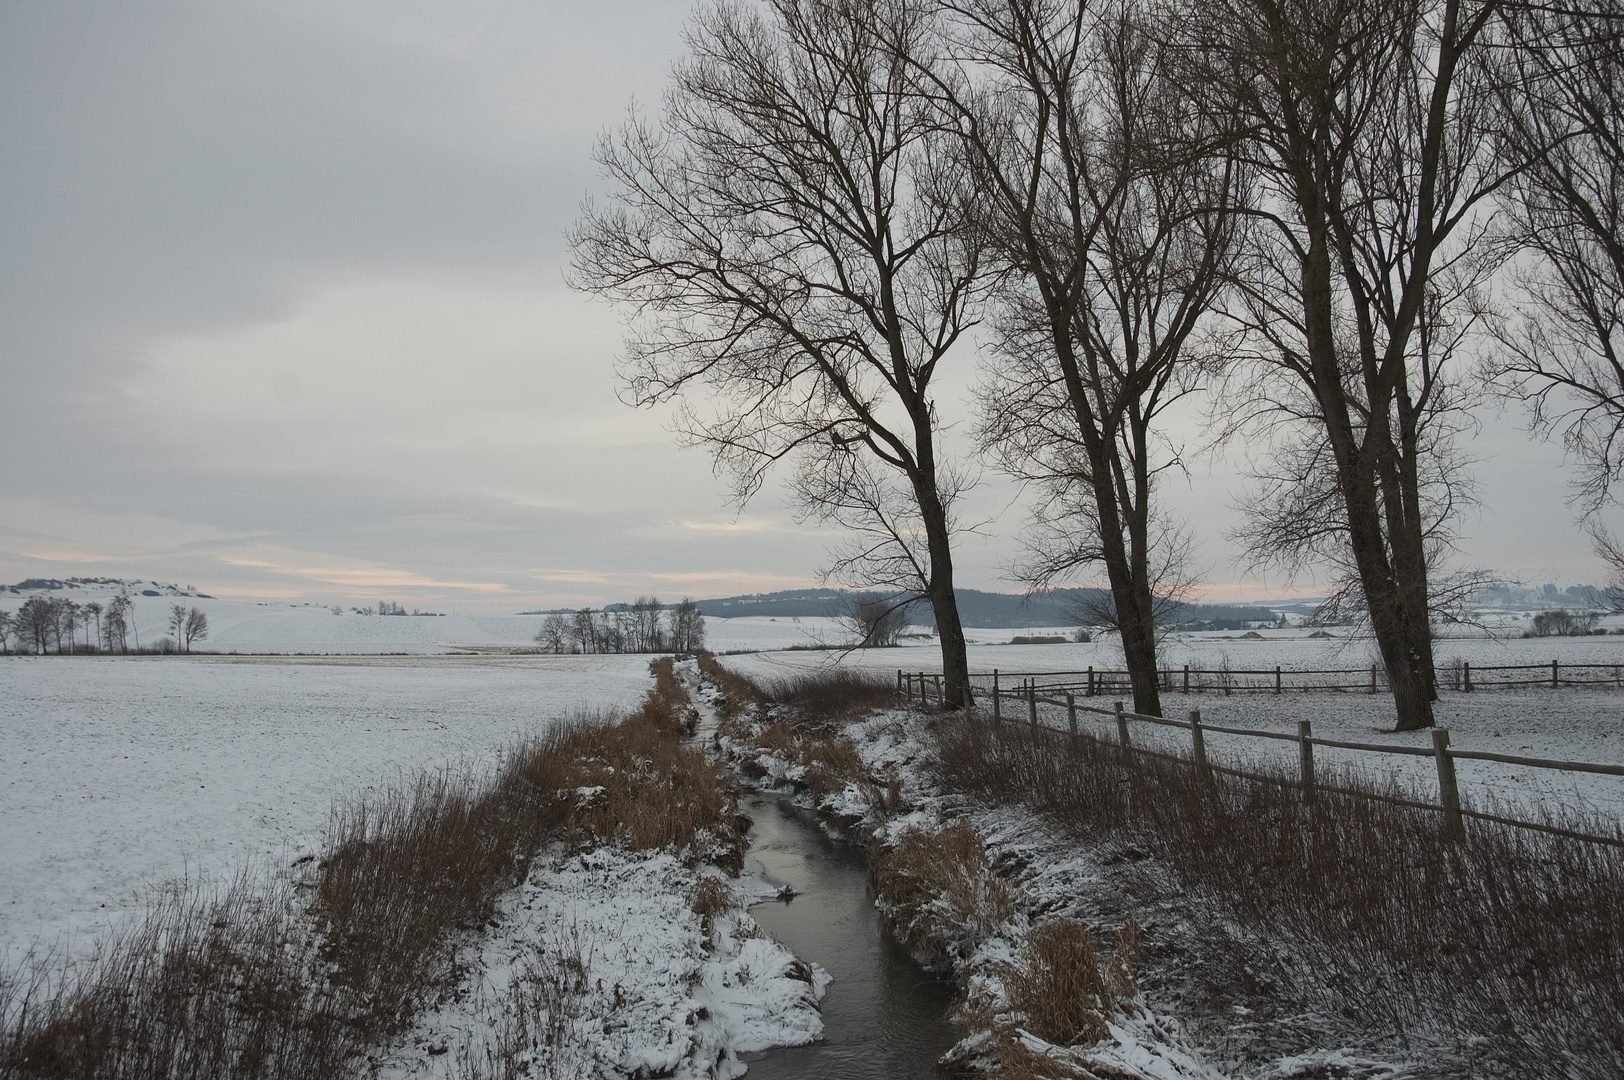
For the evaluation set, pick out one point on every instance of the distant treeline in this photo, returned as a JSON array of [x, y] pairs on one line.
[[51, 624], [645, 626]]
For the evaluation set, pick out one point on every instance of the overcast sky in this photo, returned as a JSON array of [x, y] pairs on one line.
[[282, 315]]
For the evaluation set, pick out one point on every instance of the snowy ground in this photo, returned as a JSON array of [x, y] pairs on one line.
[[119, 775], [656, 992]]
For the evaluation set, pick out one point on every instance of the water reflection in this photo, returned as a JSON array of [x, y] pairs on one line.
[[883, 1017]]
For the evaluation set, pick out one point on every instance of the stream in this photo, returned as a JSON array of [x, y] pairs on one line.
[[882, 1015]]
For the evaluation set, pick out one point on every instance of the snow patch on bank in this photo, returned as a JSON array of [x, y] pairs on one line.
[[596, 965]]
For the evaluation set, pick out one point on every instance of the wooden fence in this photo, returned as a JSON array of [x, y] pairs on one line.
[[1464, 677], [1028, 694]]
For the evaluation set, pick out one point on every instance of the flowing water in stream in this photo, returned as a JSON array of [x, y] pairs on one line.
[[883, 1016]]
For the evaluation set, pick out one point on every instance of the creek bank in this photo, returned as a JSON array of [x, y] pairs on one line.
[[626, 949], [1034, 997]]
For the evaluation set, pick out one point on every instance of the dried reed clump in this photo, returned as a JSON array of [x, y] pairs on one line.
[[709, 898], [1061, 986], [822, 701], [667, 706], [635, 784], [209, 984], [831, 764], [406, 869], [941, 898], [1511, 938]]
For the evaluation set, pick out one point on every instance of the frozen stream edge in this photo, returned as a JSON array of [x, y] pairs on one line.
[[656, 995]]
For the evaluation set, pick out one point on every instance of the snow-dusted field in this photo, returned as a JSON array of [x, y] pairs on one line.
[[119, 775]]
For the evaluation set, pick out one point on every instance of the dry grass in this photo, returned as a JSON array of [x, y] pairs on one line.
[[1059, 986], [941, 897], [635, 785], [208, 984], [1509, 941], [709, 898], [825, 700], [739, 693], [235, 985]]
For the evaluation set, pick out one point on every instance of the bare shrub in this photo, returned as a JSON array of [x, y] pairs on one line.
[[941, 898], [1512, 938]]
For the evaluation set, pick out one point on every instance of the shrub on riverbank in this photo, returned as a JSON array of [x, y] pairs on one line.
[[1508, 942]]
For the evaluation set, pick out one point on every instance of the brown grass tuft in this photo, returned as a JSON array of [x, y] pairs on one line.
[[709, 898], [1059, 986], [940, 895]]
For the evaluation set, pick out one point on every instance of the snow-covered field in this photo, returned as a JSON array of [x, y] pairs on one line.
[[120, 775]]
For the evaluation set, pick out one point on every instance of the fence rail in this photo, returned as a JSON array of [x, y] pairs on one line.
[[1028, 694], [1465, 677]]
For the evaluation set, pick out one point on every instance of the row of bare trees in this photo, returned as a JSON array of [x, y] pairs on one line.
[[45, 624], [1313, 212], [644, 627]]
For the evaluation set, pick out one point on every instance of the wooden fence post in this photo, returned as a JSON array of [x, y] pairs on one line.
[[1091, 680], [1198, 740], [1032, 703], [1186, 678], [1448, 791], [1305, 752], [1372, 678], [1466, 676], [1277, 680], [899, 682], [1071, 712], [1122, 727], [1554, 685], [997, 703]]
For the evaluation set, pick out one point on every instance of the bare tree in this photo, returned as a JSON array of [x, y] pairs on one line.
[[177, 624], [647, 630], [1561, 136], [7, 628], [1112, 204], [35, 620], [792, 260], [69, 619], [877, 621], [687, 627], [116, 629], [196, 627], [1369, 125], [554, 635], [94, 610]]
